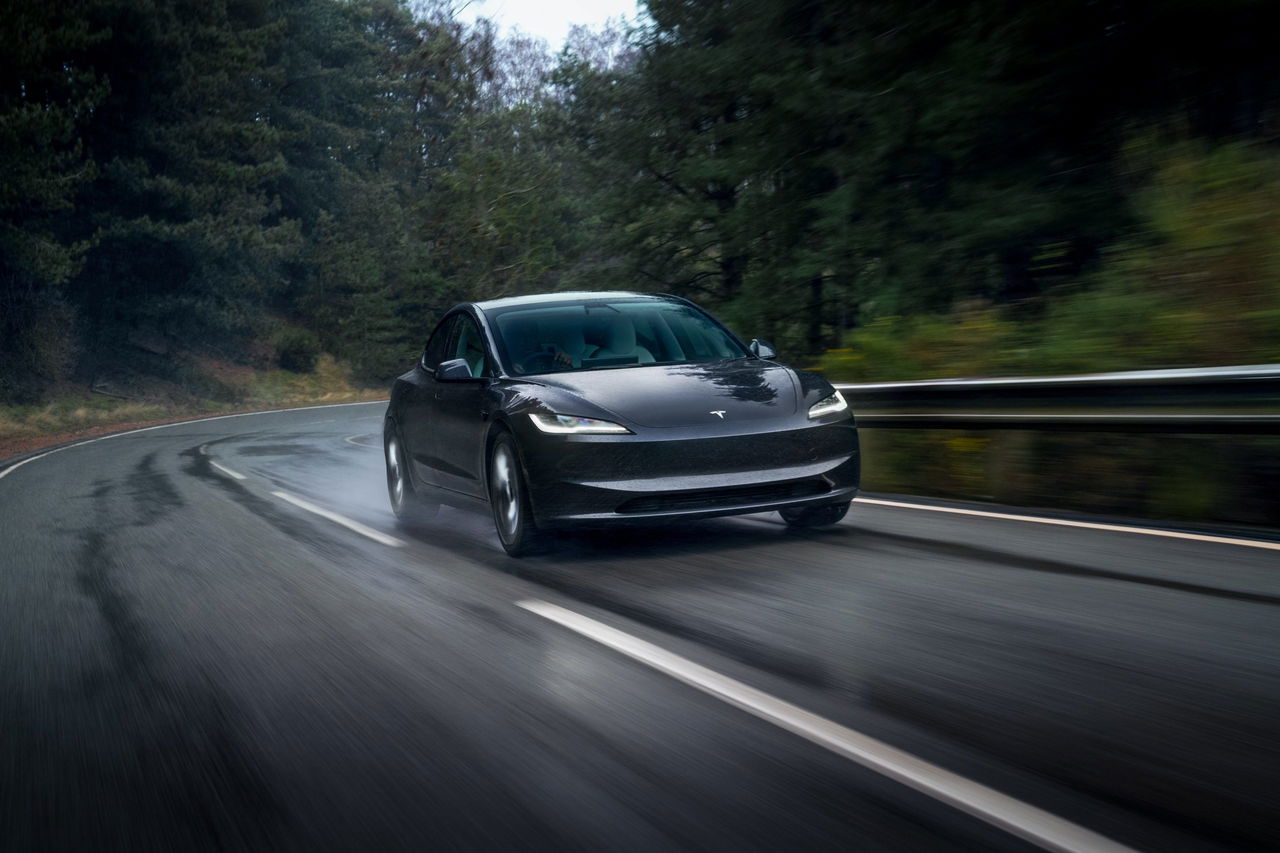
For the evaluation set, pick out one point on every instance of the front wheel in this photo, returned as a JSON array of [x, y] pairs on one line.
[[509, 498], [405, 503], [814, 516]]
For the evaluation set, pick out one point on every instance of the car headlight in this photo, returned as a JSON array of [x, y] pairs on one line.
[[828, 406], [565, 424]]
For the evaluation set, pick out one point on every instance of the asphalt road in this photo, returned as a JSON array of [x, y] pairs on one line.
[[191, 657]]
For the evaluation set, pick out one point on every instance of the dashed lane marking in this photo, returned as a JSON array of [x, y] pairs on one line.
[[235, 475], [350, 524]]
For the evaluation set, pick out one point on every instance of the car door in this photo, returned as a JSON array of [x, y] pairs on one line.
[[420, 412], [462, 414]]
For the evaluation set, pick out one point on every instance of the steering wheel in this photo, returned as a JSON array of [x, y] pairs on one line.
[[538, 362]]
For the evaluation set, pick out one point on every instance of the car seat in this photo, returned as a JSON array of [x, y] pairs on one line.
[[571, 339], [620, 342]]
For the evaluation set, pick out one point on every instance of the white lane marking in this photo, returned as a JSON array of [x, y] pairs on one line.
[[204, 450], [235, 475], [351, 439], [350, 524], [1088, 525], [15, 466], [1025, 821]]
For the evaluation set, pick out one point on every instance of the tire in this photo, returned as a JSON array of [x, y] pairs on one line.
[[509, 500], [405, 502], [814, 516]]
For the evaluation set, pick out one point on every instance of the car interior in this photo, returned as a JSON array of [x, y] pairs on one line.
[[587, 337], [470, 346]]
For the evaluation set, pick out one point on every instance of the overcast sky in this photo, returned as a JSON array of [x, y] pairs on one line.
[[548, 19]]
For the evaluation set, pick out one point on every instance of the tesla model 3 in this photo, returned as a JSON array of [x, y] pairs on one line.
[[575, 409]]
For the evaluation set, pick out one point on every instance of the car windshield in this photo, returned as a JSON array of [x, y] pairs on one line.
[[596, 334]]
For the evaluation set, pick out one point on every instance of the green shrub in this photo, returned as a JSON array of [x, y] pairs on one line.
[[1196, 282], [297, 350], [973, 341]]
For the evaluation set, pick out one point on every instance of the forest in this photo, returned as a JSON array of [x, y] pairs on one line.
[[886, 190]]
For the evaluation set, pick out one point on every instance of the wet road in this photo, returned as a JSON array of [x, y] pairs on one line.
[[213, 636]]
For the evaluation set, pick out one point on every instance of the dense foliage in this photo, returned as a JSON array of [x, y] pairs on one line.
[[924, 188], [1023, 186], [199, 174]]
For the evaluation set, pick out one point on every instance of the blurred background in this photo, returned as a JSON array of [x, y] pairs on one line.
[[215, 203], [217, 637]]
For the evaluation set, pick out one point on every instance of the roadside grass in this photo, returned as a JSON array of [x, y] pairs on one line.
[[78, 413], [330, 382]]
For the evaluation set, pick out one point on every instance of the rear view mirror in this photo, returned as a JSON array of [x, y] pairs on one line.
[[762, 349], [454, 370]]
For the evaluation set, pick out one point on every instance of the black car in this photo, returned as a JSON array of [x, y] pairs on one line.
[[571, 409]]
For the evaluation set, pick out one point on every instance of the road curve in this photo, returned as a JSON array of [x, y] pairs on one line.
[[214, 637]]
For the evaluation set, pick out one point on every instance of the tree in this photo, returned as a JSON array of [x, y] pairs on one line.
[[48, 92], [188, 240]]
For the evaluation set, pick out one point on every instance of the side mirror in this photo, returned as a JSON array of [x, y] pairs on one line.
[[454, 370], [762, 349]]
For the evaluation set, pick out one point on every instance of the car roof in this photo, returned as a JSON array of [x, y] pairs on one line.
[[566, 296]]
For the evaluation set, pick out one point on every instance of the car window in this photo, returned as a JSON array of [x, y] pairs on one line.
[[438, 346], [604, 334], [469, 344]]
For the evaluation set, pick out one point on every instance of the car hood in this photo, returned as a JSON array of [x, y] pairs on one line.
[[681, 395]]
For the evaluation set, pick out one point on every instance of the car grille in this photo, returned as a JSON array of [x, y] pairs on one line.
[[718, 498]]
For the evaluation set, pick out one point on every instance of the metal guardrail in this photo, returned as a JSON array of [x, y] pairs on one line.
[[1219, 400]]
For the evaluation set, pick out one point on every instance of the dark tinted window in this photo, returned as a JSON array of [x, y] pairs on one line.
[[595, 334], [469, 344], [438, 347]]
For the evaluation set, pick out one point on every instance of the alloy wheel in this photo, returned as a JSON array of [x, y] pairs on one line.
[[506, 494], [395, 474]]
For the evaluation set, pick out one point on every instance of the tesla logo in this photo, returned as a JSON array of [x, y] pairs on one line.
[[719, 414]]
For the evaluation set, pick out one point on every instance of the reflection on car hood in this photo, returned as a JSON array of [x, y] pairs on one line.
[[680, 395]]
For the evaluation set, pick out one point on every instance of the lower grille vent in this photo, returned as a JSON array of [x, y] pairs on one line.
[[725, 498]]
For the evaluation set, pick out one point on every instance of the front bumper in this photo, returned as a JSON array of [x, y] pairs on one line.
[[662, 475]]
